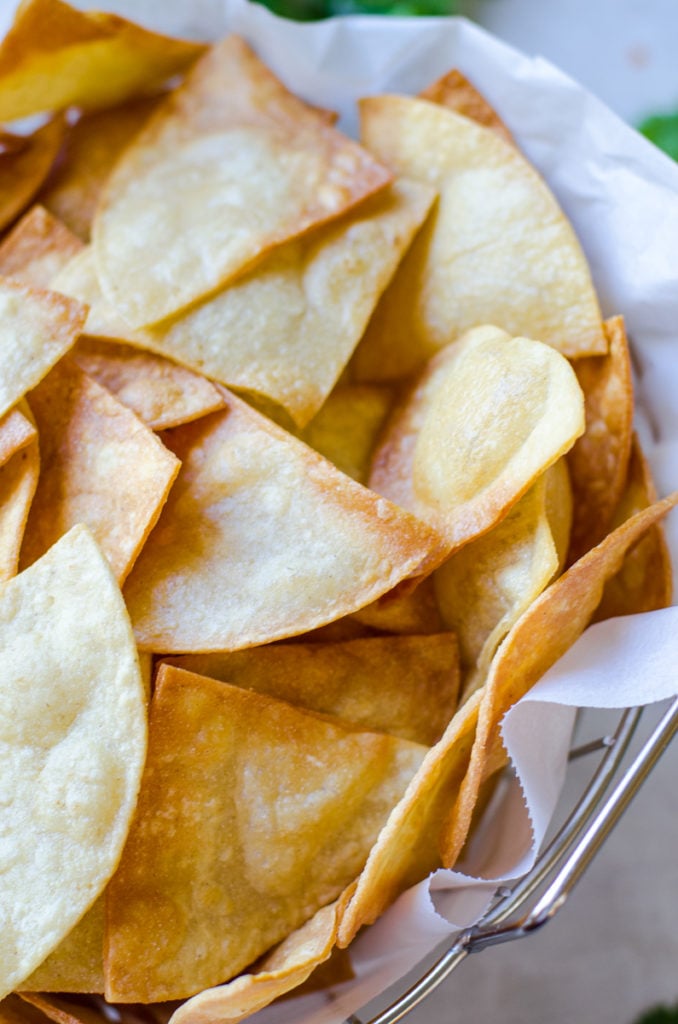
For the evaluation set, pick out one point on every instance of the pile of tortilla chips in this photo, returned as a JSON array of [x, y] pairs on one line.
[[344, 423]]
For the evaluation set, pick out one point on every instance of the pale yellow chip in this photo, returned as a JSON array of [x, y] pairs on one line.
[[253, 166], [288, 967], [267, 813], [599, 460], [73, 745], [55, 56], [24, 167], [261, 539], [543, 634], [346, 429], [36, 329], [497, 248], [37, 249], [100, 466], [92, 146], [404, 685], [77, 963], [489, 414], [485, 587], [18, 482], [161, 393]]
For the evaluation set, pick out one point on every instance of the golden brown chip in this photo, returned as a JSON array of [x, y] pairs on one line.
[[36, 329], [455, 92], [13, 1010], [489, 414], [18, 481], [288, 967], [60, 1010], [93, 145], [599, 460], [161, 393], [24, 168], [543, 634], [55, 56], [254, 167], [16, 431], [73, 746], [100, 466], [644, 581], [37, 249], [261, 539], [497, 248], [288, 787], [404, 685], [404, 610]]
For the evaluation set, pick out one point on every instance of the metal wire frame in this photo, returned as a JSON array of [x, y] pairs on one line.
[[566, 858]]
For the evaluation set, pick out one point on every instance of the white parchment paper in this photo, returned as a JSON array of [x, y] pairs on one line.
[[622, 197]]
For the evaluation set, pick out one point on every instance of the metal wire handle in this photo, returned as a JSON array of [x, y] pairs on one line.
[[570, 852]]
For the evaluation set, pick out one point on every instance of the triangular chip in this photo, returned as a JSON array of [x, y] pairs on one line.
[[645, 580], [93, 145], [346, 428], [73, 746], [24, 169], [55, 56], [77, 963], [37, 249], [543, 634], [497, 248], [16, 432], [36, 328], [266, 814], [404, 610], [454, 91], [161, 393], [254, 167], [404, 685], [489, 414], [100, 466], [261, 539], [599, 460], [288, 967]]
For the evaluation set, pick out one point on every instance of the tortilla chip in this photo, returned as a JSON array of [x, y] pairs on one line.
[[261, 539], [543, 634], [36, 329], [37, 249], [403, 685], [59, 1010], [74, 743], [346, 428], [77, 963], [24, 169], [455, 92], [18, 481], [100, 466], [644, 581], [55, 56], [289, 786], [599, 460], [254, 167], [489, 414], [16, 432], [93, 145], [404, 610], [14, 1011], [559, 508], [485, 587], [497, 248], [161, 393], [288, 967]]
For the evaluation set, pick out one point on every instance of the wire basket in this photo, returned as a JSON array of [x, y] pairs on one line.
[[530, 903]]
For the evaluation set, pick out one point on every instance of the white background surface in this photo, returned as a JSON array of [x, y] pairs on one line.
[[613, 950]]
